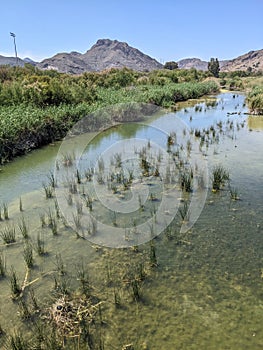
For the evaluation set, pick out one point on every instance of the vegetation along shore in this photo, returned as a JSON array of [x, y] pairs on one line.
[[38, 107]]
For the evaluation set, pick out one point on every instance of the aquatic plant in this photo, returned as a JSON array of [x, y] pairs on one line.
[[83, 278], [23, 228], [42, 218], [40, 245], [28, 255], [234, 193], [52, 180], [8, 234], [48, 189], [57, 210], [78, 176], [219, 176], [24, 310], [186, 180], [20, 205], [59, 264], [152, 255], [5, 211], [183, 211], [14, 283], [52, 222], [2, 265]]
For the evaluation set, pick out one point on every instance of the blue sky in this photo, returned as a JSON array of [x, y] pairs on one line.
[[166, 30]]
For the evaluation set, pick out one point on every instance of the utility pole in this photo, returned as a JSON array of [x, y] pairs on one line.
[[14, 36]]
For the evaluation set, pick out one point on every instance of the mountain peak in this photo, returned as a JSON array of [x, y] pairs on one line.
[[105, 54]]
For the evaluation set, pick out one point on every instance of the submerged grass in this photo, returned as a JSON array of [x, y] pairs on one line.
[[8, 234]]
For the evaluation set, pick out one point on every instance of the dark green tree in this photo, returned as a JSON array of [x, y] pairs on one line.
[[213, 67], [171, 65]]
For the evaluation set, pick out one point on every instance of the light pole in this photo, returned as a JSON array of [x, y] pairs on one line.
[[14, 36]]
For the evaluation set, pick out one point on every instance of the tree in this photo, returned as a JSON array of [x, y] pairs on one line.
[[171, 65], [213, 67]]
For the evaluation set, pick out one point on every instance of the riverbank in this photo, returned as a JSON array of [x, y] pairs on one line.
[[25, 127]]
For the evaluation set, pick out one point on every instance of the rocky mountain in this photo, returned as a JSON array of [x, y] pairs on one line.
[[198, 64], [252, 61], [105, 54], [11, 61], [189, 63]]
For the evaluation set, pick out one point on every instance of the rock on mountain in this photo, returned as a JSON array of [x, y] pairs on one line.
[[104, 54], [252, 61]]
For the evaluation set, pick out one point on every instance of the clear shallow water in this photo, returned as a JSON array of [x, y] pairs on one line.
[[206, 292]]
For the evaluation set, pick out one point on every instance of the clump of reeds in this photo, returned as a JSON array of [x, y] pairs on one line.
[[234, 194], [49, 190], [152, 255], [23, 228], [219, 176], [2, 265], [52, 180], [52, 222], [183, 211], [28, 255], [40, 245], [8, 234], [20, 204], [42, 218], [59, 265], [83, 278], [24, 310], [14, 284], [186, 180], [5, 211]]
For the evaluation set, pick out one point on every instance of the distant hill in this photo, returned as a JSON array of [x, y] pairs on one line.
[[105, 54], [11, 61], [252, 60], [198, 64]]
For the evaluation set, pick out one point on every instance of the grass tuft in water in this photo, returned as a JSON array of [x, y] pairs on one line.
[[40, 245], [24, 310], [183, 211], [23, 228], [5, 211], [59, 265], [48, 189], [152, 253], [14, 284], [234, 193], [83, 278], [2, 265], [219, 176], [20, 204], [8, 234], [28, 255], [42, 218]]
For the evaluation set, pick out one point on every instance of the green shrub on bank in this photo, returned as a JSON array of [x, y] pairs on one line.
[[255, 100], [38, 107]]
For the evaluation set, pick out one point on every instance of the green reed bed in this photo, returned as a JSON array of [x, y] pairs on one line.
[[27, 126]]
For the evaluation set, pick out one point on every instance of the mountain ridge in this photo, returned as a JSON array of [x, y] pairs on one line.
[[106, 54]]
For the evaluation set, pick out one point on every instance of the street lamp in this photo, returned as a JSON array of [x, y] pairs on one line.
[[14, 36]]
